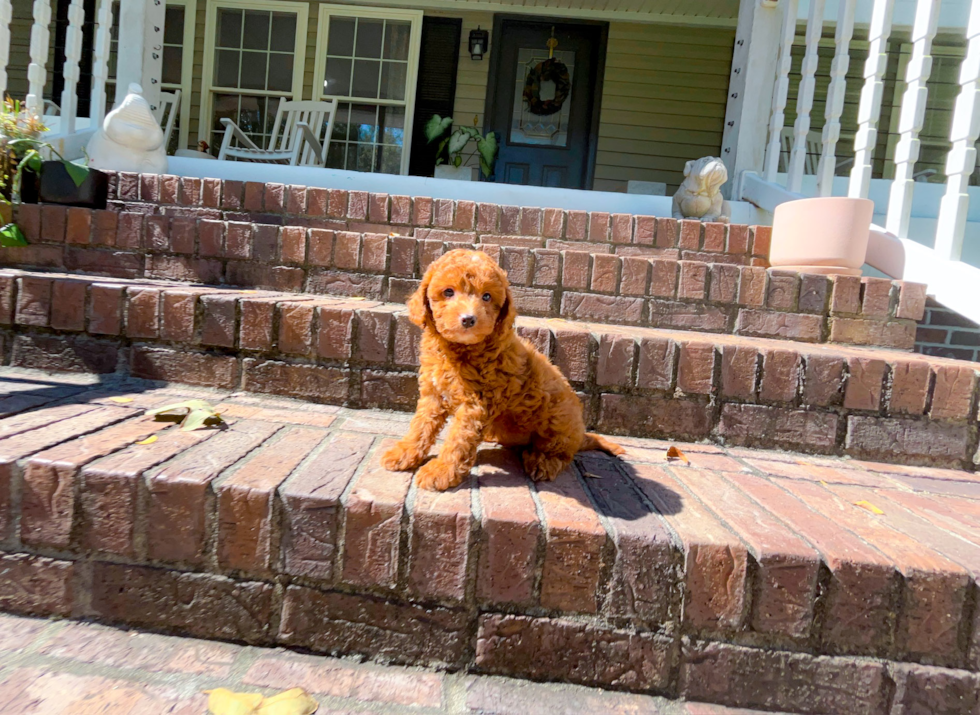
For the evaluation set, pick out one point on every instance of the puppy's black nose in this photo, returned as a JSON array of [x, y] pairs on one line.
[[468, 321]]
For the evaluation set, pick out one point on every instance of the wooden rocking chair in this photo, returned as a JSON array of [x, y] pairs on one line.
[[300, 136], [166, 114]]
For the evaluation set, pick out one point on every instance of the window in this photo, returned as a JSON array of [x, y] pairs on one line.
[[178, 34], [251, 63], [368, 59]]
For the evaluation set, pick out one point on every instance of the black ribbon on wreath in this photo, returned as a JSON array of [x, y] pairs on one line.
[[550, 70]]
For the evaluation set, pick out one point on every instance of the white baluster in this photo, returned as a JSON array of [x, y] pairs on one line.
[[962, 158], [6, 14], [36, 73], [835, 97], [100, 63], [804, 99], [869, 109], [912, 116], [778, 114], [73, 53]]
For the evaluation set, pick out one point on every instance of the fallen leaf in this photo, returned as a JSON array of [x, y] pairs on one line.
[[222, 701], [593, 476], [394, 234], [291, 702], [149, 440], [248, 291], [121, 400], [355, 297], [869, 506], [674, 453], [194, 414]]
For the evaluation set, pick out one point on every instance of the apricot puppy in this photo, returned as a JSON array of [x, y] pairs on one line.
[[496, 386]]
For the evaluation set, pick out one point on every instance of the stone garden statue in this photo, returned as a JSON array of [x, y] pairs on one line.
[[130, 138], [699, 195]]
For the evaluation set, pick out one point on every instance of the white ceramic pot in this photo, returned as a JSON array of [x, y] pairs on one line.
[[457, 173], [826, 235]]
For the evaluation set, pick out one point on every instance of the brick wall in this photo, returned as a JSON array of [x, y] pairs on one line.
[[945, 333]]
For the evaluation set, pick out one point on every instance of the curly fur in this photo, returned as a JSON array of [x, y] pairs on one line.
[[496, 386]]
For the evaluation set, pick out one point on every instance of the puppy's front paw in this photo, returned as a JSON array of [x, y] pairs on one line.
[[402, 458], [541, 467], [437, 475]]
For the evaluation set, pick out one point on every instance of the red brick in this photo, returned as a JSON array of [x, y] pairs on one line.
[[510, 531], [601, 308], [296, 200], [231, 194], [401, 209], [211, 193], [53, 221], [36, 585], [336, 327], [283, 278], [190, 191], [142, 313], [104, 228], [440, 544], [738, 239], [655, 367], [575, 270], [861, 331], [876, 299], [105, 309], [693, 281], [50, 480], [953, 396], [28, 218], [566, 650], [846, 295], [572, 351], [554, 223], [107, 502], [663, 280], [293, 244], [357, 204], [177, 316], [864, 383], [714, 237], [211, 236], [789, 326], [337, 203], [784, 428], [787, 577], [724, 283], [238, 240], [910, 388], [573, 546], [79, 226], [487, 217], [192, 368], [510, 220], [254, 196], [823, 380], [374, 256], [695, 369], [129, 230], [622, 228], [642, 573], [738, 371], [668, 233], [33, 301], [212, 606], [689, 236], [783, 290], [761, 239], [321, 247], [184, 269], [156, 233], [295, 328], [917, 441], [373, 334], [531, 220], [218, 327], [128, 186], [635, 275], [646, 230], [68, 305], [255, 332], [752, 285], [598, 227], [119, 264], [310, 382], [183, 234], [605, 273], [348, 249], [780, 375], [911, 301]]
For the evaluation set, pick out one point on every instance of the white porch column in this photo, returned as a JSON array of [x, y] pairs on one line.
[[140, 57], [750, 88]]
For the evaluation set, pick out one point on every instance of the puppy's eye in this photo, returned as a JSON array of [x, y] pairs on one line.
[[486, 297], [449, 292]]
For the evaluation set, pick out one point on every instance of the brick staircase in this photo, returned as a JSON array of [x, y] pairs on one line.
[[744, 577]]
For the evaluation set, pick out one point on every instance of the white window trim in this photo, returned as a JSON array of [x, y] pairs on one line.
[[186, 69], [302, 11], [320, 61]]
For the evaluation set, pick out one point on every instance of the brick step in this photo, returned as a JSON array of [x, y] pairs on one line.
[[868, 403], [705, 290], [740, 577]]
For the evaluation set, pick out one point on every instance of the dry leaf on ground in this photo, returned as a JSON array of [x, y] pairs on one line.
[[195, 413], [149, 440], [222, 701], [869, 506], [674, 453], [297, 701], [121, 400]]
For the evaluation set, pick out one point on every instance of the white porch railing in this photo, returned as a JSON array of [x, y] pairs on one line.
[[903, 248]]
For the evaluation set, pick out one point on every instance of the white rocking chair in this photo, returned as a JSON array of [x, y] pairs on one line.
[[300, 136], [814, 148], [166, 114]]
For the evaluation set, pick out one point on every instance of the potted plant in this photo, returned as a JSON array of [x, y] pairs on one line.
[[25, 176], [449, 153]]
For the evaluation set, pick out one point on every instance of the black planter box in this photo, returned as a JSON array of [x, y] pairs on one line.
[[55, 186]]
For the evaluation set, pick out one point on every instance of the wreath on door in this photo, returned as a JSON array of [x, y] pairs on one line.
[[553, 70]]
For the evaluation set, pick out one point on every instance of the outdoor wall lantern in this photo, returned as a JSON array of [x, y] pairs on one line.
[[479, 41]]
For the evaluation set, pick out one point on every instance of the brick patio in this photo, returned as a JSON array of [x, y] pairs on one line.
[[745, 577]]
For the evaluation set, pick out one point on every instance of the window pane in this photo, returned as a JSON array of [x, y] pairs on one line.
[[337, 77], [226, 68], [340, 39], [281, 72], [393, 80], [392, 124], [397, 38], [369, 37], [173, 27], [365, 158], [256, 35], [283, 32], [253, 70], [389, 159], [363, 123], [341, 124], [229, 28], [172, 57], [365, 81], [335, 155]]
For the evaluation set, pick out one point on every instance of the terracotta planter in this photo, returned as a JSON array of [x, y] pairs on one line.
[[824, 235], [457, 173]]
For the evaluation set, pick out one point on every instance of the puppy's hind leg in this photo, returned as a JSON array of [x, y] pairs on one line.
[[413, 448]]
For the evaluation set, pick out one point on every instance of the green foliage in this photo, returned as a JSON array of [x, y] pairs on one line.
[[452, 145], [11, 235]]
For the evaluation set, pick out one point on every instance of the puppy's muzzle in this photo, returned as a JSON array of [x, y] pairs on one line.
[[467, 321]]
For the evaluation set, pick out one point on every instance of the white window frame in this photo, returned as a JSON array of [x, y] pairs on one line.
[[208, 87], [320, 62]]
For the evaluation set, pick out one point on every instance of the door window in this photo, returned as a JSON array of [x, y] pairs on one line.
[[543, 130]]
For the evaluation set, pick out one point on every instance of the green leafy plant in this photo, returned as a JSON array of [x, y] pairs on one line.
[[192, 414], [21, 148], [452, 144]]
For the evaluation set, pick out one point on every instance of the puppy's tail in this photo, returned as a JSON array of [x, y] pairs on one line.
[[596, 441]]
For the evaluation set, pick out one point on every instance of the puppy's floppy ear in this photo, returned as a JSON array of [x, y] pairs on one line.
[[508, 314], [418, 304]]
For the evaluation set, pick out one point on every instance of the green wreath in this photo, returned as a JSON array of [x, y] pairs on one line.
[[553, 70]]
